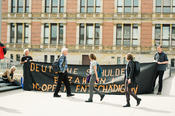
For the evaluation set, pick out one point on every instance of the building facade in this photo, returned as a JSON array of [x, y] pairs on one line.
[[108, 28]]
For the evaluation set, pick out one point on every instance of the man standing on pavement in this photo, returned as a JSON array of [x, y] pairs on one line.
[[162, 60]]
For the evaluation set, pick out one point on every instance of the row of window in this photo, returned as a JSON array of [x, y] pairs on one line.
[[91, 6], [90, 34]]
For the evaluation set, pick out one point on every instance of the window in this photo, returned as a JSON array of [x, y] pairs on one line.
[[11, 56], [173, 35], [13, 7], [45, 58], [26, 6], [165, 6], [127, 35], [26, 33], [164, 36], [46, 33], [47, 5], [118, 60], [119, 6], [157, 34], [61, 6], [127, 38], [130, 6], [81, 40], [60, 41], [119, 34], [56, 32], [20, 30], [97, 34], [90, 6], [18, 57], [19, 33], [89, 34], [92, 34], [53, 6], [52, 58], [135, 41], [82, 6], [53, 34], [124, 60], [20, 6], [12, 33]]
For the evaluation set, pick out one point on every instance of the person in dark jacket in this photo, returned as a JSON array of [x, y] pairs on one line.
[[130, 81], [162, 60], [3, 50]]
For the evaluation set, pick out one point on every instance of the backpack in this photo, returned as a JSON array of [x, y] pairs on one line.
[[55, 65], [99, 70], [136, 68]]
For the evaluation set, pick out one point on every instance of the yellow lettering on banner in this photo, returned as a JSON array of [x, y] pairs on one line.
[[122, 71], [110, 88], [50, 68], [117, 72], [75, 71], [44, 87], [84, 80], [55, 79], [77, 88], [101, 86], [70, 79], [105, 89], [42, 68], [69, 70], [77, 80], [32, 67], [111, 73], [102, 81], [121, 88], [54, 87], [49, 87], [83, 88], [135, 90], [37, 68], [116, 88], [35, 86]]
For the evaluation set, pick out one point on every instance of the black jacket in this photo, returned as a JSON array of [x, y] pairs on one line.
[[130, 72]]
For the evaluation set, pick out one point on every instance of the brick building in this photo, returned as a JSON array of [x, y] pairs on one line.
[[109, 28]]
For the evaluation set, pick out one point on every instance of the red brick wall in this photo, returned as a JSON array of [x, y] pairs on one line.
[[72, 6], [4, 6], [71, 33], [36, 6], [108, 6], [146, 6], [4, 32], [107, 34], [36, 33], [146, 34]]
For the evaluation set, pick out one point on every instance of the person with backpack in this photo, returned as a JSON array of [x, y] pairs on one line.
[[62, 73], [130, 80], [162, 60], [94, 77]]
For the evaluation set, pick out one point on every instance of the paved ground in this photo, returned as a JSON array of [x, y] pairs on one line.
[[24, 103]]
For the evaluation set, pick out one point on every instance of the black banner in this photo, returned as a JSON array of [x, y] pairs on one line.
[[39, 76]]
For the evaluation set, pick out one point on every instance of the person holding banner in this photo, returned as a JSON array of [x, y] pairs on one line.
[[93, 78], [162, 60], [130, 80], [26, 57], [63, 75]]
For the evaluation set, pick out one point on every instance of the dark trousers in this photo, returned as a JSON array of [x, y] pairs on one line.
[[63, 77], [160, 74], [128, 92]]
